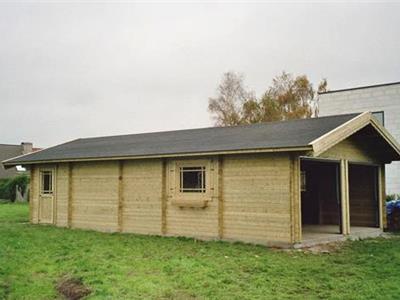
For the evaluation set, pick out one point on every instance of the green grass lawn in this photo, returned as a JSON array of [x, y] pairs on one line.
[[34, 258]]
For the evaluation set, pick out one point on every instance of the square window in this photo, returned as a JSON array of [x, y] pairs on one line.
[[193, 179]]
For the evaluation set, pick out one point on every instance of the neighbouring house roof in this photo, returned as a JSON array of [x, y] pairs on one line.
[[303, 134], [8, 151]]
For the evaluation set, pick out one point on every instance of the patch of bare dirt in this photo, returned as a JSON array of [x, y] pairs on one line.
[[323, 248], [72, 288]]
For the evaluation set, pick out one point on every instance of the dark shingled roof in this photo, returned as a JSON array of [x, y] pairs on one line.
[[284, 134]]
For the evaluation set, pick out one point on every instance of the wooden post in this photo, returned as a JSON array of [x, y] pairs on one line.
[[344, 196], [220, 198], [164, 196], [382, 197], [120, 195], [295, 200], [55, 203], [31, 192], [70, 191]]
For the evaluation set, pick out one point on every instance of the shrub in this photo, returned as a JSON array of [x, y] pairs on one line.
[[8, 186], [391, 197], [4, 188]]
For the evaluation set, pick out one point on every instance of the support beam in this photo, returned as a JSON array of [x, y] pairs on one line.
[[295, 200], [31, 193], [164, 196], [220, 198], [344, 196], [382, 197], [120, 194], [55, 198], [70, 191]]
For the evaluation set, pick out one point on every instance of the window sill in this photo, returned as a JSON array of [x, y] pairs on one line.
[[190, 203]]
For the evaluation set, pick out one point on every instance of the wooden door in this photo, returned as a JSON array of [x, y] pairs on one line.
[[46, 197], [363, 195]]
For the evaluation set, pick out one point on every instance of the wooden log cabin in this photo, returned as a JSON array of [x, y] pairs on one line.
[[273, 183]]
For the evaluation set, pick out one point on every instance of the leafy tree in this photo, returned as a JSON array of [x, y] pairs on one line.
[[287, 98]]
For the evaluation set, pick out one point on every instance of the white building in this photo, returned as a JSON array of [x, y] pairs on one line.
[[383, 100]]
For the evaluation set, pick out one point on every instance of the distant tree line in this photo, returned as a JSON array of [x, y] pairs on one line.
[[288, 97]]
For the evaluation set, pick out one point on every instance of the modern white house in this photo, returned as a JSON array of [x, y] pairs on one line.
[[383, 100]]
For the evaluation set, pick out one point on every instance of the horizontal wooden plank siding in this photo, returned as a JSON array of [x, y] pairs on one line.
[[190, 221], [255, 206], [61, 198], [34, 205], [142, 192], [257, 198], [350, 149], [95, 196]]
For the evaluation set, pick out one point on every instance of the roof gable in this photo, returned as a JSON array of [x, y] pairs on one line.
[[367, 130]]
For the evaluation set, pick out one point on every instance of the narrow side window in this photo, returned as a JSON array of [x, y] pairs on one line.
[[46, 182]]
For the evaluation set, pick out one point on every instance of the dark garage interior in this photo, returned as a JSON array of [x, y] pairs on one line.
[[320, 195]]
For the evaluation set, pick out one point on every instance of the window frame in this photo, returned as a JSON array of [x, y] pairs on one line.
[[199, 190], [192, 163], [49, 192]]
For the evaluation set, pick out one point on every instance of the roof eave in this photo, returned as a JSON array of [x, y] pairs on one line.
[[11, 163]]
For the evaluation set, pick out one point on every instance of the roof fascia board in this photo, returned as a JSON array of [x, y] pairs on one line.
[[386, 135], [8, 163], [340, 133]]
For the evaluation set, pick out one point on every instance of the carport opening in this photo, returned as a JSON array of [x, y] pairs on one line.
[[363, 196], [320, 198]]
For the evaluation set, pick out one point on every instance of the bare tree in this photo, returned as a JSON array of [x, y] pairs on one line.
[[227, 107]]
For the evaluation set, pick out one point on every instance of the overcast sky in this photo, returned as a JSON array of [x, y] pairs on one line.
[[83, 69]]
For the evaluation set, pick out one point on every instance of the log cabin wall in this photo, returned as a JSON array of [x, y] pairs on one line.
[[247, 199], [95, 195], [257, 193]]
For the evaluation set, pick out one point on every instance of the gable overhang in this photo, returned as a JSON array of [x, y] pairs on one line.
[[342, 132]]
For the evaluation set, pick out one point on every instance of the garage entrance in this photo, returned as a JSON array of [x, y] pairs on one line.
[[320, 198], [363, 196], [322, 206]]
